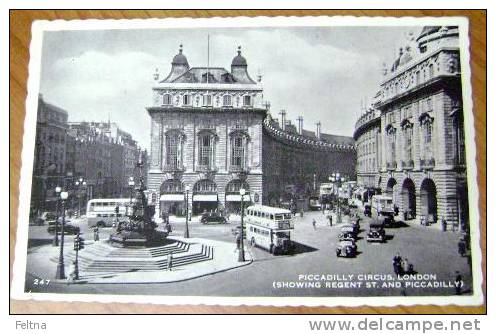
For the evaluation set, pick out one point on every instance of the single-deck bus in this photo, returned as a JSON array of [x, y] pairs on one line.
[[269, 228], [101, 211]]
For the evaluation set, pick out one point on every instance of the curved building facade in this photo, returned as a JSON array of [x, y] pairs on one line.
[[422, 152]]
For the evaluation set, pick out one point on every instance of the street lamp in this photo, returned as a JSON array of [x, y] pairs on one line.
[[131, 186], [336, 179], [186, 229], [241, 254], [56, 237], [60, 266], [79, 183]]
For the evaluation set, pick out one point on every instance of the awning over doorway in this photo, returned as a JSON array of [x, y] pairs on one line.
[[237, 198], [172, 198], [205, 198]]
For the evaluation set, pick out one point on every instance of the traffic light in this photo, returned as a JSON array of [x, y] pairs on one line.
[[78, 243]]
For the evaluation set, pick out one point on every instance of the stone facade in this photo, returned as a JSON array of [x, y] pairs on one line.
[[422, 162], [368, 146], [49, 166], [206, 138], [211, 134]]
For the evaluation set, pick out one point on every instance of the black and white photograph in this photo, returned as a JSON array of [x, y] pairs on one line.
[[281, 161]]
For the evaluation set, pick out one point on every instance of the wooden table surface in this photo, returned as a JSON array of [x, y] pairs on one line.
[[20, 35]]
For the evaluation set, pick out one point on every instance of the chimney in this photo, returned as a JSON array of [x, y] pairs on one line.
[[318, 131], [283, 119], [300, 125]]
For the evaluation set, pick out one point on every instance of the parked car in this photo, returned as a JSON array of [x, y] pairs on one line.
[[346, 248], [347, 232], [367, 210], [213, 217], [69, 228], [376, 232]]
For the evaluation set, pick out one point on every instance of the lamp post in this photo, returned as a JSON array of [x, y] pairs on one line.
[[56, 237], [60, 266], [241, 254], [131, 187], [79, 183], [186, 229], [336, 179]]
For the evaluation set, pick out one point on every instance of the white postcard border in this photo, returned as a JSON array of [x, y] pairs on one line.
[[38, 27]]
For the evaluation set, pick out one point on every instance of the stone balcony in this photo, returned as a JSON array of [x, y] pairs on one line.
[[427, 163], [173, 168], [391, 165], [407, 164]]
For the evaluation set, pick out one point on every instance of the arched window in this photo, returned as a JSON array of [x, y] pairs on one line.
[[238, 143], [205, 187], [227, 101], [171, 187], [167, 99], [234, 186], [206, 150], [173, 157], [391, 143], [407, 141], [426, 123]]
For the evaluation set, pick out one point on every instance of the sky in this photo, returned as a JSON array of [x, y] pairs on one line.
[[321, 73]]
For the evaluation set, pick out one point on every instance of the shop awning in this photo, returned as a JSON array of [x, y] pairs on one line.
[[205, 198], [237, 198], [172, 198]]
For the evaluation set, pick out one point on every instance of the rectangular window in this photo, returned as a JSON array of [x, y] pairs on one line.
[[205, 158], [187, 100], [247, 100], [207, 100], [172, 147], [167, 99], [227, 100], [237, 152]]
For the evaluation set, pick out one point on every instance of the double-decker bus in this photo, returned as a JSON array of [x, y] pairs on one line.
[[269, 228], [101, 212]]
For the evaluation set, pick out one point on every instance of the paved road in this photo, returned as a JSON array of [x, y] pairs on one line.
[[431, 251]]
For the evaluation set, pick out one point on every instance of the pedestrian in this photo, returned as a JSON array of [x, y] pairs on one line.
[[301, 213], [462, 247], [314, 223], [444, 224], [169, 262], [406, 266], [330, 218], [96, 234], [398, 270], [458, 283], [238, 240]]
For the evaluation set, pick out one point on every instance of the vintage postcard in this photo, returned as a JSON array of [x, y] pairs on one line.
[[257, 161]]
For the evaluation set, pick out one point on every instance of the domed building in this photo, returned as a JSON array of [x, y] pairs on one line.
[[211, 135], [420, 132]]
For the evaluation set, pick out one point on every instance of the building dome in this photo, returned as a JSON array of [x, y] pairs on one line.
[[429, 30], [239, 60], [180, 59]]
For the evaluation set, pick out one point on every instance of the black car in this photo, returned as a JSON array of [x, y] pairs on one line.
[[213, 217], [68, 227]]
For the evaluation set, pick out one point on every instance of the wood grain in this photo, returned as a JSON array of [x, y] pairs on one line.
[[20, 36]]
